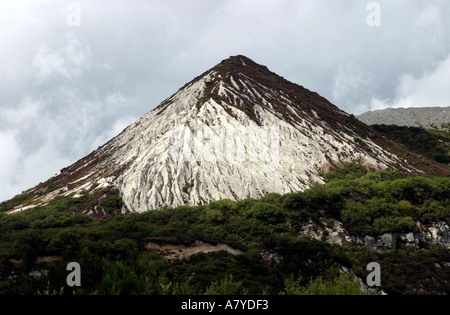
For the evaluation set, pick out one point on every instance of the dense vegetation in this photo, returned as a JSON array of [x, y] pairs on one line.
[[36, 245], [434, 144]]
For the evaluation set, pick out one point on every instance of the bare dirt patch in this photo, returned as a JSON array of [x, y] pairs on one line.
[[181, 251]]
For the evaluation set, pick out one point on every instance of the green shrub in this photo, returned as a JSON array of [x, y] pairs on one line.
[[112, 203], [344, 284], [119, 279], [349, 171], [294, 201], [227, 286], [267, 213], [330, 223]]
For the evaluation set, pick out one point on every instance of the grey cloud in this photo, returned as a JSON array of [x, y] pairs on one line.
[[65, 90]]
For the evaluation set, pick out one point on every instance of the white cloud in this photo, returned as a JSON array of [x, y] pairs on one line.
[[351, 83], [431, 89], [67, 61], [117, 127], [9, 158], [26, 111]]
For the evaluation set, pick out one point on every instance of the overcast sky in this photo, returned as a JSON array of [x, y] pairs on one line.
[[73, 74]]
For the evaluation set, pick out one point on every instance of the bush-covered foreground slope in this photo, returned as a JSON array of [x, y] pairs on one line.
[[244, 247]]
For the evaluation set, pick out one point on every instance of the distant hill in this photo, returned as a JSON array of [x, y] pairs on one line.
[[425, 131], [426, 117]]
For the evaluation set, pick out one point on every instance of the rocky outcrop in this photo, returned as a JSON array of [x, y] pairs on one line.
[[270, 258], [435, 233]]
